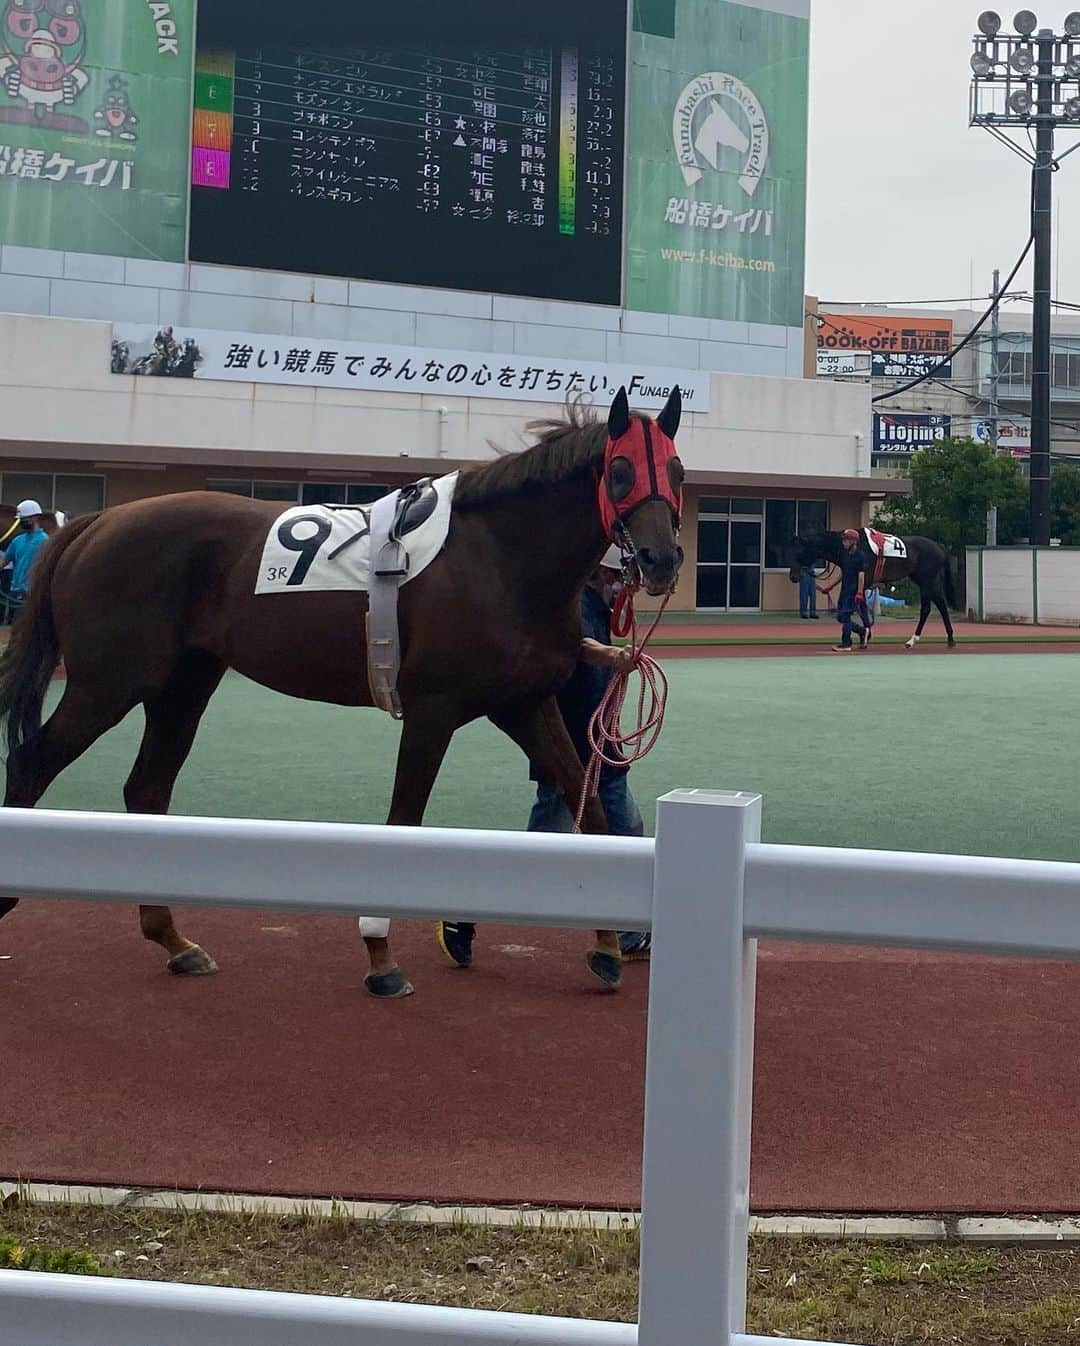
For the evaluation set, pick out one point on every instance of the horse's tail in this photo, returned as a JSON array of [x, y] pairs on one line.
[[950, 588], [32, 653]]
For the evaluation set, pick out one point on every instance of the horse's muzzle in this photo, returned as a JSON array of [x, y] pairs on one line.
[[659, 568]]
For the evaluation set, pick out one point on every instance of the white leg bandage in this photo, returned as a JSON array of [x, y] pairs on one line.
[[373, 927]]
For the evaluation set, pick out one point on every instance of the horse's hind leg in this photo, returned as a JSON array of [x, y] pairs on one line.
[[540, 732], [172, 717], [77, 722], [943, 607]]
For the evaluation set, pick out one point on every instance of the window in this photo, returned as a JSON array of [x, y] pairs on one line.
[[79, 495], [1014, 367], [303, 492], [784, 519], [71, 492], [341, 493], [286, 491]]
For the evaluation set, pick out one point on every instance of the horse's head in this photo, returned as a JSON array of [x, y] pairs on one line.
[[641, 489], [801, 552]]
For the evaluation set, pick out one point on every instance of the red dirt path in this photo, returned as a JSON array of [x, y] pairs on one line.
[[884, 1081]]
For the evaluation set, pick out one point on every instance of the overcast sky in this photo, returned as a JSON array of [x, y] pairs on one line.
[[906, 201]]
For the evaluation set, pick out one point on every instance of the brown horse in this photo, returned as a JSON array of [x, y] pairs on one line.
[[490, 628]]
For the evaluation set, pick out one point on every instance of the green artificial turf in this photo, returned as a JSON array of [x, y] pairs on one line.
[[974, 754]]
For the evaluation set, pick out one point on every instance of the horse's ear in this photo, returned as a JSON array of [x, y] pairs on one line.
[[669, 418], [618, 421]]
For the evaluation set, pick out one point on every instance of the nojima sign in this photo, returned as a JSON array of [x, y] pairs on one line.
[[904, 434]]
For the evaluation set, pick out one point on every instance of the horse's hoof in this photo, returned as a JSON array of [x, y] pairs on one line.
[[606, 966], [391, 985], [952, 644], [192, 962]]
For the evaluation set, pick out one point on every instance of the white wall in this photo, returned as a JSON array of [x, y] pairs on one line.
[[1025, 584], [57, 396], [117, 289]]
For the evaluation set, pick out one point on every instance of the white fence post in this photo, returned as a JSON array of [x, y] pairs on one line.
[[696, 1163]]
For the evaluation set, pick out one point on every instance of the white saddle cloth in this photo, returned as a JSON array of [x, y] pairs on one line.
[[313, 548]]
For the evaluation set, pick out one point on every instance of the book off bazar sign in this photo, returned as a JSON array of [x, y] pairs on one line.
[[254, 358]]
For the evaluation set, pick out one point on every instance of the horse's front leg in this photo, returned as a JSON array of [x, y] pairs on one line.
[[426, 732], [924, 612], [537, 727]]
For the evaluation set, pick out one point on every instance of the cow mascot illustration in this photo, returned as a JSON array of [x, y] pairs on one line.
[[42, 50]]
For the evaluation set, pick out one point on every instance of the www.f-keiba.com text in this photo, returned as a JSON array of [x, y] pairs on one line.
[[709, 257]]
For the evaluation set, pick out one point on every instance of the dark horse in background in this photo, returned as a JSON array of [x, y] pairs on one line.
[[490, 628], [927, 563]]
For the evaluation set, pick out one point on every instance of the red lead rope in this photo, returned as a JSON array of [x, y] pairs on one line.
[[606, 739]]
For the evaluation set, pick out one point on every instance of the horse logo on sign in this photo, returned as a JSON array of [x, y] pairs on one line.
[[714, 113]]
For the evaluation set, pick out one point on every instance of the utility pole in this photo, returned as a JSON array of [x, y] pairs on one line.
[[1031, 79], [995, 361], [1040, 313]]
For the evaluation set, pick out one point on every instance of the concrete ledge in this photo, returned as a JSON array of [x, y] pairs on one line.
[[1025, 1232]]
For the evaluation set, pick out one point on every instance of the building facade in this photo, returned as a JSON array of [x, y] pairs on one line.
[[985, 388], [330, 263]]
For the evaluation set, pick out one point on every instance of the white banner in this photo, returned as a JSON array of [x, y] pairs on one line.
[[184, 352], [844, 364], [1014, 434]]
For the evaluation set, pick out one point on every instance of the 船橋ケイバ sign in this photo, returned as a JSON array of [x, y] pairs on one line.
[[94, 125]]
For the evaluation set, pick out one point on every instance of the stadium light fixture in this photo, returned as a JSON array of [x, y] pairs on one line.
[[1028, 79]]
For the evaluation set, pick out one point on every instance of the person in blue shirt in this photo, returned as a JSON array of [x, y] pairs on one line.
[[598, 659], [23, 548]]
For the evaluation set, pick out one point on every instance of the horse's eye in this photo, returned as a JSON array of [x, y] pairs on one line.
[[620, 478], [676, 474]]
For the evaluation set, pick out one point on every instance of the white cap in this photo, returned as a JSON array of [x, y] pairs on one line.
[[612, 558], [26, 509]]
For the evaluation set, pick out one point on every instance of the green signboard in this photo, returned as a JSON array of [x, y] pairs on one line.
[[95, 110], [717, 161]]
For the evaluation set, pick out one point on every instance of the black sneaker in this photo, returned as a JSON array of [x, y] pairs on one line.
[[635, 945], [456, 940]]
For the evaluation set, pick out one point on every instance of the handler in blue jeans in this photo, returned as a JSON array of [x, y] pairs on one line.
[[598, 659]]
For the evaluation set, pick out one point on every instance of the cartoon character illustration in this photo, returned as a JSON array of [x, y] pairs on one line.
[[115, 114], [42, 49]]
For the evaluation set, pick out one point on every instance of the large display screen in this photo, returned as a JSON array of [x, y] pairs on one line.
[[467, 144]]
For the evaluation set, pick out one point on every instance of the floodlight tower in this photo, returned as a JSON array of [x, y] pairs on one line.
[[1031, 78]]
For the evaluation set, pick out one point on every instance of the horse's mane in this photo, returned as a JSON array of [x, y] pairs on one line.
[[563, 449]]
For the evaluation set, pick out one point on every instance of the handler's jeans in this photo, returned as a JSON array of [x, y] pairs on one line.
[[807, 595], [551, 814], [845, 613]]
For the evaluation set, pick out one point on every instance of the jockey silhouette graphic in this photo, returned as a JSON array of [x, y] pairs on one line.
[[42, 49]]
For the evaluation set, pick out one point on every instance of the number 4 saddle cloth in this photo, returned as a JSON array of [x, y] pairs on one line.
[[314, 548], [884, 547]]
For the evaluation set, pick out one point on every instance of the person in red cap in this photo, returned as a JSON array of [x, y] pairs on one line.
[[852, 583]]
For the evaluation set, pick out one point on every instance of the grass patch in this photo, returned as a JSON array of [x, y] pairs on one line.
[[874, 1294]]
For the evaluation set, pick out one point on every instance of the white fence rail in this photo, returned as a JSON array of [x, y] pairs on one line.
[[706, 887]]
